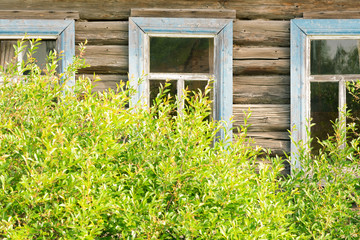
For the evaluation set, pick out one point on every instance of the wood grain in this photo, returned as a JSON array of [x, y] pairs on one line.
[[247, 94], [257, 67], [241, 53], [332, 15], [106, 59], [245, 9], [102, 33], [276, 146], [269, 89], [183, 13], [103, 82], [287, 9], [268, 80], [38, 14], [277, 142], [104, 10], [262, 32], [264, 117], [269, 135]]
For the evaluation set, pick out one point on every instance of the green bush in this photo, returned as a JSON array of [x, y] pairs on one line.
[[325, 192], [81, 165]]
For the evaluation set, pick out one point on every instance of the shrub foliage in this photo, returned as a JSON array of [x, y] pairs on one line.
[[75, 164]]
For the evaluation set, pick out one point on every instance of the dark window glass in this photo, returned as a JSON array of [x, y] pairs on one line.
[[155, 86], [334, 57], [324, 109], [195, 87], [180, 55]]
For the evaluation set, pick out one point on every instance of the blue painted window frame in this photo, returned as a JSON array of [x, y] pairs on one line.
[[301, 31], [222, 32], [62, 30]]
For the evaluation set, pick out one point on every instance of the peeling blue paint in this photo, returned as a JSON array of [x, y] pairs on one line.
[[300, 30]]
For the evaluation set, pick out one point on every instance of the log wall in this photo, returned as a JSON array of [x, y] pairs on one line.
[[261, 47], [261, 72]]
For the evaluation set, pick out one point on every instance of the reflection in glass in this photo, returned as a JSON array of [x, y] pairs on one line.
[[155, 86], [324, 109], [42, 52], [334, 56], [180, 55], [353, 104], [7, 52]]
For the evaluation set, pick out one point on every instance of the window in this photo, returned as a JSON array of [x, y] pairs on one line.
[[324, 55], [57, 34], [188, 52], [44, 47]]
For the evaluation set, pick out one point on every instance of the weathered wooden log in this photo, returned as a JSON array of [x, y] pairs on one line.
[[105, 82], [270, 135], [245, 9], [277, 142], [278, 147], [332, 15], [38, 14], [287, 9], [261, 32], [102, 33], [243, 53], [104, 10], [261, 95], [183, 13], [106, 59], [89, 10], [261, 89], [269, 80], [264, 117], [257, 67]]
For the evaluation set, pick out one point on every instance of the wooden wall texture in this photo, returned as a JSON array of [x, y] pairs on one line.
[[261, 48]]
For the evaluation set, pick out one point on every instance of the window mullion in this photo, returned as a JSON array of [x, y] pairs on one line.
[[180, 94], [342, 107], [183, 76], [333, 77], [342, 97], [20, 58]]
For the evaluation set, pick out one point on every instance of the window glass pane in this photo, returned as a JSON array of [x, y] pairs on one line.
[[180, 55], [42, 52], [195, 87], [7, 51], [335, 57], [324, 109], [155, 87], [353, 104]]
